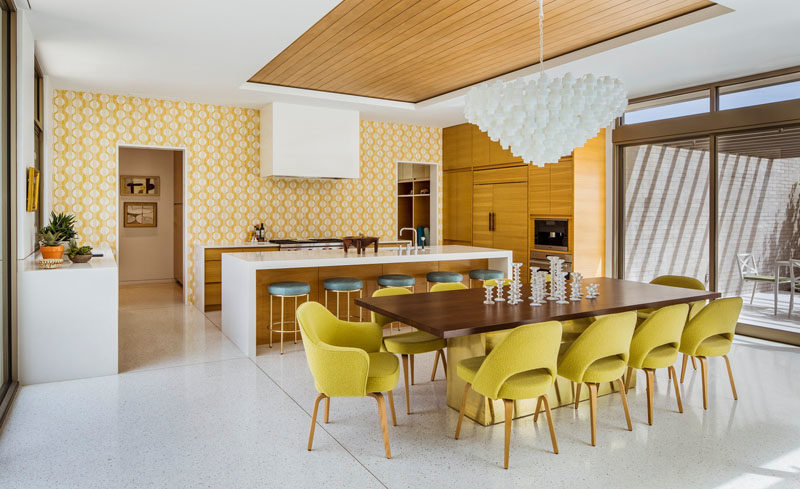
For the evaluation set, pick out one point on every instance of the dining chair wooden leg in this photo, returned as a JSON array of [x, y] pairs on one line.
[[509, 404], [536, 412], [558, 391], [435, 364], [677, 390], [625, 404], [577, 394], [650, 374], [683, 367], [390, 395], [730, 376], [461, 410], [704, 373], [327, 408], [384, 424], [628, 379], [405, 379], [444, 362], [593, 410], [694, 365], [550, 423], [314, 420], [411, 359], [491, 410]]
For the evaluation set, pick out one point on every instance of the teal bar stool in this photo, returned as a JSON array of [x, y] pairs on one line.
[[484, 274], [396, 280], [286, 290], [442, 278], [344, 285]]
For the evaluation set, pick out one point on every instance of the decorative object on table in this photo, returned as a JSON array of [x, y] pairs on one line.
[[32, 194], [542, 119], [79, 254], [500, 284], [360, 242], [558, 280], [591, 291], [575, 289], [137, 185], [538, 285], [141, 214], [514, 290], [61, 224], [50, 263], [50, 245], [488, 289]]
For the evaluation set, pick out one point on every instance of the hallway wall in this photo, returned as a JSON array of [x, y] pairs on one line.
[[147, 253]]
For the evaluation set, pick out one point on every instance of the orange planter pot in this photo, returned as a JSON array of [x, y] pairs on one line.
[[52, 252]]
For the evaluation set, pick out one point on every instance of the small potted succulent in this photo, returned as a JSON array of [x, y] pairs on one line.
[[78, 254], [50, 244], [62, 224]]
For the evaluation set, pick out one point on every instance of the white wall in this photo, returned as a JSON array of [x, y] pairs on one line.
[[26, 231], [147, 253]]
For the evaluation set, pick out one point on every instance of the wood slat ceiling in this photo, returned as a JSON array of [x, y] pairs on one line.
[[412, 50]]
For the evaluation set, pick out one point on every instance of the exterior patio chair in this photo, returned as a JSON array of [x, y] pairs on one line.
[[749, 272]]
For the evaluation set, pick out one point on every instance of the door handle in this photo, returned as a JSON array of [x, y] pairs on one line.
[[491, 221]]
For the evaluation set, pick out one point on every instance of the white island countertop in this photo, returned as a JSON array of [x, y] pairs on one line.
[[332, 258], [239, 270]]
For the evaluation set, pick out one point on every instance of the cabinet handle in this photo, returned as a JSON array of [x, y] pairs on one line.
[[491, 221]]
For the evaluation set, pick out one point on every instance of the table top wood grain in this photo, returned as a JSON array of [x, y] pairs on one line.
[[457, 313]]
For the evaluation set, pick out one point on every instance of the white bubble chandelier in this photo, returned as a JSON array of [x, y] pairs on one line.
[[543, 119]]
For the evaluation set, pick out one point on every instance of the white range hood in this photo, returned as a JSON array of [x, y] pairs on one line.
[[302, 141]]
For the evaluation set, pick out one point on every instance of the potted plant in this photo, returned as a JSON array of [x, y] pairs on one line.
[[63, 224], [78, 254], [50, 244]]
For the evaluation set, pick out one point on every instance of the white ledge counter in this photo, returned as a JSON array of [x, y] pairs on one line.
[[67, 326], [246, 277]]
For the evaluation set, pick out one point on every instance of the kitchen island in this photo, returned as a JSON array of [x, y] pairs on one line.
[[246, 276]]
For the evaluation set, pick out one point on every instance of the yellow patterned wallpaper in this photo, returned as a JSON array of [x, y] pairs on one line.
[[225, 193]]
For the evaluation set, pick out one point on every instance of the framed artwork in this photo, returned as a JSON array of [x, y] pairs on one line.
[[140, 185], [141, 214], [32, 194]]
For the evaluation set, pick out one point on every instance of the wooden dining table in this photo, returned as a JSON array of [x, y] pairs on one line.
[[472, 328]]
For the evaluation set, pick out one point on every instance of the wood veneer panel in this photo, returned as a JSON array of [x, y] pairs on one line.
[[562, 188], [457, 206], [589, 225], [409, 50]]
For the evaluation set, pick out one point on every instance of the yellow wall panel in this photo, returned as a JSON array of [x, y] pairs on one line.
[[225, 193]]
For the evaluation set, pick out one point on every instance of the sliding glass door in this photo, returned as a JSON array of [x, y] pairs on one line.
[[666, 210], [5, 222], [759, 222]]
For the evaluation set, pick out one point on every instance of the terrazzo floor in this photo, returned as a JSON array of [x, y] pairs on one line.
[[194, 417]]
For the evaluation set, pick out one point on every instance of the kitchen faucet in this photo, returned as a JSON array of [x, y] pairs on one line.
[[415, 236]]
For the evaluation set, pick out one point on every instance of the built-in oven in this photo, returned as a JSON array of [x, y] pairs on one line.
[[551, 234]]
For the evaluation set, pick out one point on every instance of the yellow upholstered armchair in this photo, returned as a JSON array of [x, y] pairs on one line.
[[521, 366], [710, 334], [346, 361]]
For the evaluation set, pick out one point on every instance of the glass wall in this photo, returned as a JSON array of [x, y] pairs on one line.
[[666, 210], [5, 231], [758, 222]]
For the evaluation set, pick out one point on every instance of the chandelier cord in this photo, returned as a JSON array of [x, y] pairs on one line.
[[541, 36]]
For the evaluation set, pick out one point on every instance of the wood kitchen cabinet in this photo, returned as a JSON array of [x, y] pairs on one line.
[[457, 207], [486, 152], [500, 211], [551, 188], [457, 147]]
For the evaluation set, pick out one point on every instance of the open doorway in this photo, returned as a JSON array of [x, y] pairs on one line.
[[150, 245]]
